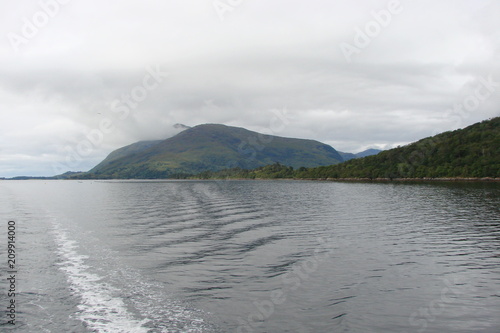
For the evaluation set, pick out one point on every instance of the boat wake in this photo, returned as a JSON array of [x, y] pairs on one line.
[[136, 306]]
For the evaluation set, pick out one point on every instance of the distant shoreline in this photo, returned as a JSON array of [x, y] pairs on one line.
[[449, 179], [377, 180]]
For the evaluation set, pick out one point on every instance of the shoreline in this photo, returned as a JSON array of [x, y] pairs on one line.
[[425, 179], [356, 179]]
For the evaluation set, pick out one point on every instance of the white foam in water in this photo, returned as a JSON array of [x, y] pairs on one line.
[[100, 310]]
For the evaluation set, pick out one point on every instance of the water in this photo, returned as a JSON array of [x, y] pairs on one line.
[[252, 256]]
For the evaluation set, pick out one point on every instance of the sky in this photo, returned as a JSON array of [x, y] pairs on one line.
[[79, 79]]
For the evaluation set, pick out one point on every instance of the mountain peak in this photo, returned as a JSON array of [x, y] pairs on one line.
[[212, 147]]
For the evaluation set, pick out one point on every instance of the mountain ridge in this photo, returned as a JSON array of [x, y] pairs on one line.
[[211, 147], [364, 153]]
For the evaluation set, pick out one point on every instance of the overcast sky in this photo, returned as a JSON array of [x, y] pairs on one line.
[[79, 79]]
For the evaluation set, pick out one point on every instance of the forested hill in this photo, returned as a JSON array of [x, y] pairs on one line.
[[210, 147], [470, 152]]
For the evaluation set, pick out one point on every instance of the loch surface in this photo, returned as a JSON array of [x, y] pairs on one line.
[[252, 256]]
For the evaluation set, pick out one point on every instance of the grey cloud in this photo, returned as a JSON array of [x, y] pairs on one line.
[[264, 56]]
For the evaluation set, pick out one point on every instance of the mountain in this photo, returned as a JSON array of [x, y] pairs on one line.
[[347, 156], [470, 152], [364, 153], [368, 152], [211, 147]]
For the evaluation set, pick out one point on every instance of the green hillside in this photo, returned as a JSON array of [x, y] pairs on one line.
[[125, 151], [211, 147], [470, 152]]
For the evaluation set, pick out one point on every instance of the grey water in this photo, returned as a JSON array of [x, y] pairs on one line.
[[252, 256]]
